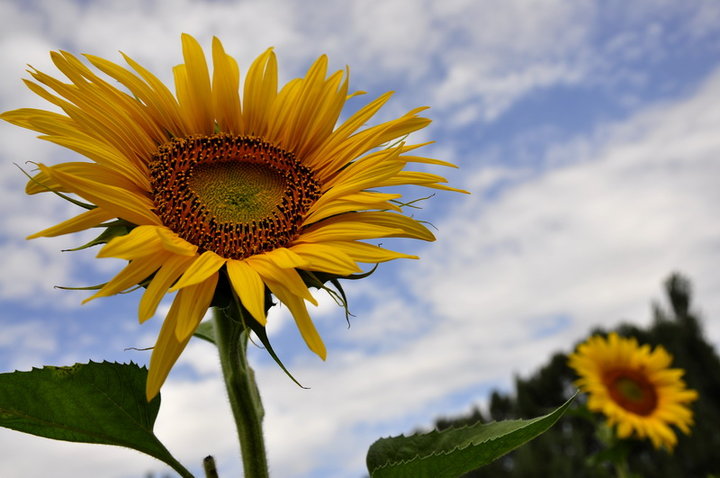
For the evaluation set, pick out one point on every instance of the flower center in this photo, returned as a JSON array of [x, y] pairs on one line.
[[234, 195], [238, 191], [632, 390]]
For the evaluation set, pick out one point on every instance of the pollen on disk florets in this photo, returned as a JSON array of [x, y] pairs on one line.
[[234, 195]]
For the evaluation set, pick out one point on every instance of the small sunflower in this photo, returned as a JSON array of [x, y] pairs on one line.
[[634, 388], [256, 188]]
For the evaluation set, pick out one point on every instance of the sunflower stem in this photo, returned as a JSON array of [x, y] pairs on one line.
[[209, 467], [231, 338]]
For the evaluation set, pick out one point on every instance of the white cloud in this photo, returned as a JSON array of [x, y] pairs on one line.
[[592, 238], [522, 47], [28, 343], [68, 460], [195, 421]]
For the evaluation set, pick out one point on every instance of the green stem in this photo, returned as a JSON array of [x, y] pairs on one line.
[[231, 338], [621, 470], [209, 467]]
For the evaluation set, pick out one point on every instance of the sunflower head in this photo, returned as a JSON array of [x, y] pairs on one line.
[[223, 184], [634, 388]]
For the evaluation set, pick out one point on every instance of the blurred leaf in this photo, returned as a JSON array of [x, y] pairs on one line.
[[90, 403], [453, 452]]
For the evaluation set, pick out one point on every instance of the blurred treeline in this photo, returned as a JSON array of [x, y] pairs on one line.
[[565, 450]]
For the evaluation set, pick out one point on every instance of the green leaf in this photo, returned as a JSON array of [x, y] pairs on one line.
[[206, 331], [90, 403], [453, 452]]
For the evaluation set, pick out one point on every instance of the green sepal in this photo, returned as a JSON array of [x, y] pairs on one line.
[[311, 279], [411, 204], [83, 205], [226, 298], [453, 452], [323, 277], [261, 334], [87, 287], [360, 276], [90, 403], [112, 230]]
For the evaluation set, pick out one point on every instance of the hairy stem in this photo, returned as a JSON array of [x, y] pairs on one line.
[[231, 338]]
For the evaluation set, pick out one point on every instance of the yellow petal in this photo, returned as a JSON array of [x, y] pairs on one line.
[[42, 183], [249, 287], [259, 92], [158, 287], [42, 121], [326, 258], [283, 107], [403, 226], [165, 353], [353, 202], [343, 132], [225, 89], [133, 274], [162, 108], [173, 243], [366, 140], [303, 101], [204, 266], [123, 204], [363, 174], [269, 271], [141, 241], [325, 116], [101, 96], [194, 301], [83, 221], [47, 96], [346, 230], [192, 82], [302, 318], [162, 93], [363, 252], [368, 171], [285, 258], [168, 348], [97, 173], [102, 116], [424, 160], [418, 179], [108, 157]]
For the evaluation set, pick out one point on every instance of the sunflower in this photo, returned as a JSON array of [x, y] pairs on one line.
[[210, 185], [634, 388]]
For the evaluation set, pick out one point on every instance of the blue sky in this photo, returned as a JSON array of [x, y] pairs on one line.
[[587, 133]]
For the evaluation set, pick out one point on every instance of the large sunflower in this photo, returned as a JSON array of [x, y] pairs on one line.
[[210, 184], [634, 388]]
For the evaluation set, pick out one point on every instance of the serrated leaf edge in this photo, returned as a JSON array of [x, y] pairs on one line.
[[472, 442]]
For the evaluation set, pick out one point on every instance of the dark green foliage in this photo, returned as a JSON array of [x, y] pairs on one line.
[[92, 403], [565, 450], [454, 451]]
